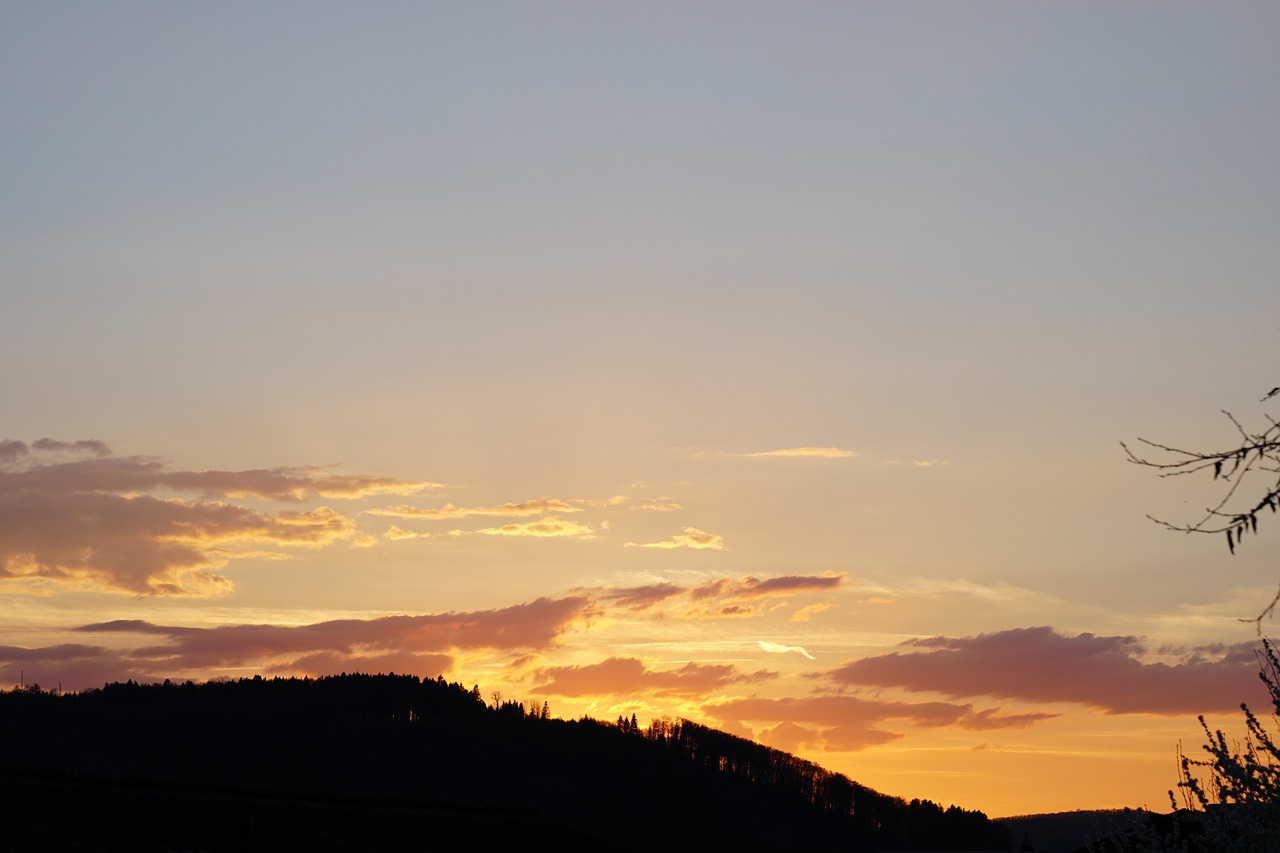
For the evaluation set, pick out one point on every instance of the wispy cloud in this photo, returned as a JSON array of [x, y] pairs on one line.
[[804, 452], [657, 505], [806, 613], [753, 587], [692, 537], [134, 474], [449, 511], [848, 723], [397, 534], [724, 596], [549, 527], [640, 597], [780, 649], [630, 676], [1041, 665]]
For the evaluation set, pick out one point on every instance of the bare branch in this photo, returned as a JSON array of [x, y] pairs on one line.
[[1269, 610], [1254, 454]]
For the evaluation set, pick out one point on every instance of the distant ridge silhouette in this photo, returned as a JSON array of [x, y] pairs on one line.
[[374, 762]]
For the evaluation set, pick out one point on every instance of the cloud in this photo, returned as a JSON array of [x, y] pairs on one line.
[[628, 677], [805, 452], [90, 521], [141, 544], [421, 644], [804, 614], [1041, 665], [752, 587], [543, 528], [511, 510], [778, 648], [692, 537], [131, 474], [616, 500], [11, 451], [328, 663], [89, 446], [850, 723], [70, 665], [789, 737], [728, 594], [535, 625], [396, 534], [640, 597], [657, 505]]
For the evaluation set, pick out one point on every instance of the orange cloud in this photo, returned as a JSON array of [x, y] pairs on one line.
[[627, 677], [1041, 665], [548, 527], [525, 508], [692, 537], [849, 723]]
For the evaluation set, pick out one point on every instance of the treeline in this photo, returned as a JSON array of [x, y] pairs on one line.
[[432, 750]]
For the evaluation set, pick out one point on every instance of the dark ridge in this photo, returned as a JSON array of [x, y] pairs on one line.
[[1064, 832], [376, 762]]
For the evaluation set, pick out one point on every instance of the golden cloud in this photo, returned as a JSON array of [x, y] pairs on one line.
[[396, 534], [629, 676], [657, 505], [543, 528], [692, 537], [516, 510]]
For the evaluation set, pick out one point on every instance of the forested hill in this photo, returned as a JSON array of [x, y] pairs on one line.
[[374, 761]]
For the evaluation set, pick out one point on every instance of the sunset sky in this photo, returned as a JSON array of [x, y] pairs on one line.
[[764, 364]]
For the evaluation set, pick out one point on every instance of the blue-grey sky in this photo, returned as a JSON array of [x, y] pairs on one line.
[[944, 255]]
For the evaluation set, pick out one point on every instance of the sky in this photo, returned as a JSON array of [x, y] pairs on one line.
[[761, 364]]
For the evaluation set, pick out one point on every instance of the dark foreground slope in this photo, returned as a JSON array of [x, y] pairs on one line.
[[391, 762]]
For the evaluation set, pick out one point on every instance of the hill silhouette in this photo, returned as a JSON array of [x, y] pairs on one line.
[[375, 762]]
